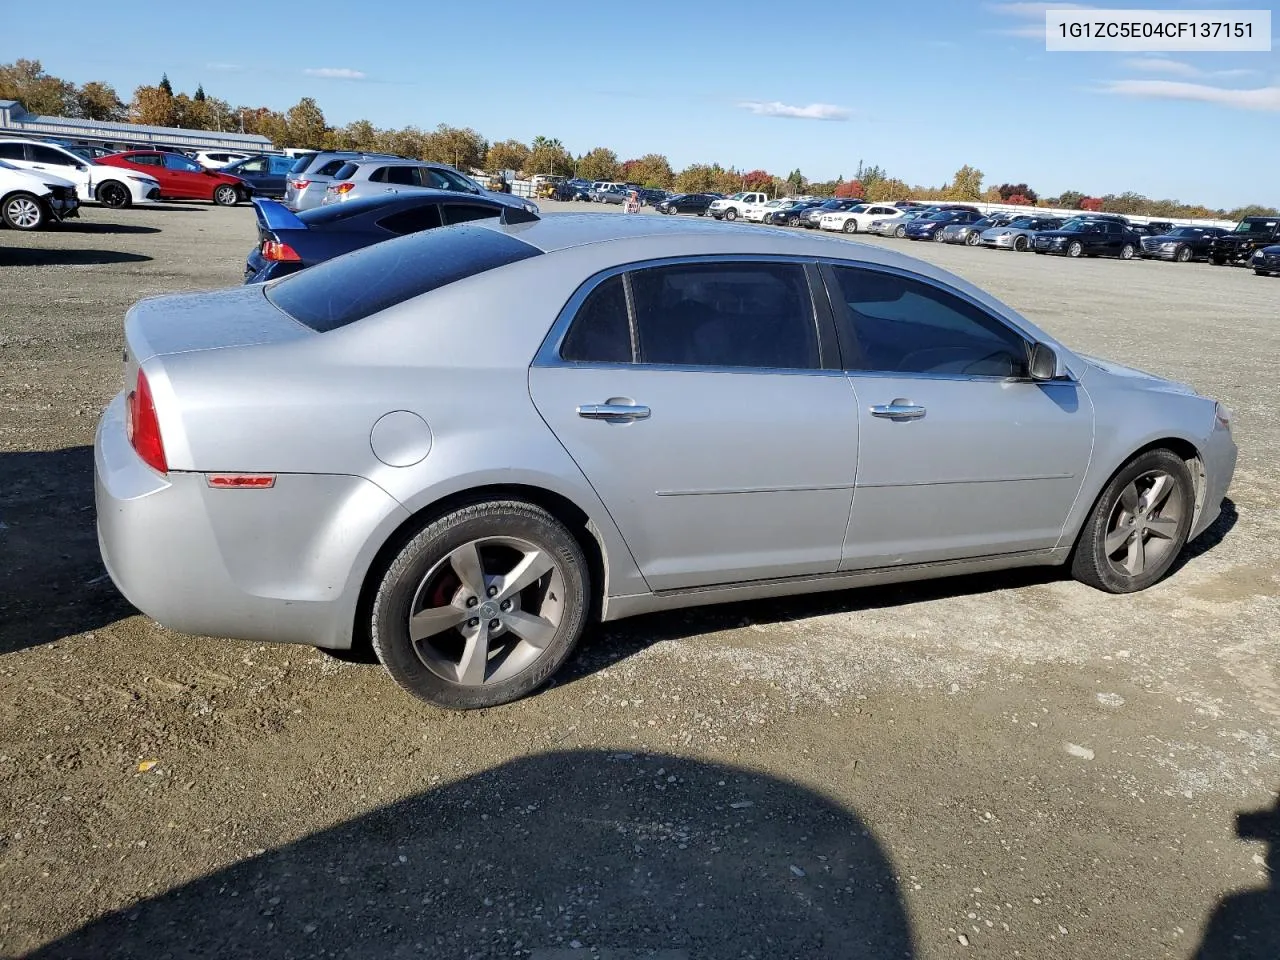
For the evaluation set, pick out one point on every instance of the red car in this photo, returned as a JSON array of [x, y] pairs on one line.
[[181, 178]]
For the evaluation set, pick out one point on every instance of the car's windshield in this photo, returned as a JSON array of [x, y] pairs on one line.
[[941, 215], [1017, 222], [1077, 226], [860, 208], [737, 196], [1187, 232], [1256, 226]]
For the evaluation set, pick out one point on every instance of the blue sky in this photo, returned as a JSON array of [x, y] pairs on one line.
[[917, 86]]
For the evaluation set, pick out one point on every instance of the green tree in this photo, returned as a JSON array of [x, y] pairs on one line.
[[165, 85], [1069, 200], [265, 122], [698, 177], [1252, 210], [199, 94], [460, 146], [598, 164], [40, 93], [358, 135], [966, 185], [304, 124], [549, 156], [98, 101], [651, 170], [506, 155]]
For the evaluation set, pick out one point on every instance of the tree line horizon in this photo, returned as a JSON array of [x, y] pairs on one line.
[[304, 126]]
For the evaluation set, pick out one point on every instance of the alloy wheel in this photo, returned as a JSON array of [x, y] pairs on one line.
[[1143, 526], [113, 195], [23, 213], [487, 610]]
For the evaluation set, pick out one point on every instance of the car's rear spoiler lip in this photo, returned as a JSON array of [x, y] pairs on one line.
[[274, 215]]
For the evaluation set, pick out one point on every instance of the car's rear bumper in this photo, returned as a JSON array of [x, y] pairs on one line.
[[283, 564]]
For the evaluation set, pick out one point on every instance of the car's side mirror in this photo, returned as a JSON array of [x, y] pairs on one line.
[[1043, 362]]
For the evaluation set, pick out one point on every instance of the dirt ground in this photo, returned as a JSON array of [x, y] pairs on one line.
[[997, 766]]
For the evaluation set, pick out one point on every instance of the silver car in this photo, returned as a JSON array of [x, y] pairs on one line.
[[311, 173], [462, 445], [895, 226], [1018, 233], [370, 178]]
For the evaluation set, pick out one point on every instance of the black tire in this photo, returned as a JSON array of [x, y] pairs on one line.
[[1182, 254], [226, 195], [850, 226], [1262, 273], [1089, 562], [1075, 248], [426, 551], [1020, 244], [114, 194], [1126, 252], [1219, 261], [731, 214], [24, 211]]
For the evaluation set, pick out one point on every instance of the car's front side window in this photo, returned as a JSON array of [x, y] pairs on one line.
[[903, 325], [747, 314]]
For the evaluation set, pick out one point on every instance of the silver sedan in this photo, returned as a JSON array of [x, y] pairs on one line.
[[461, 446], [1017, 234]]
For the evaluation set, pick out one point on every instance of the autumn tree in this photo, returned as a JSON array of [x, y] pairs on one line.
[[264, 122], [461, 147], [851, 190], [887, 189], [651, 170], [966, 184], [1018, 200], [1092, 204], [698, 177], [757, 180], [1069, 199], [40, 93], [506, 155], [598, 164], [152, 106], [98, 101], [549, 156], [1252, 210], [1008, 190], [304, 124]]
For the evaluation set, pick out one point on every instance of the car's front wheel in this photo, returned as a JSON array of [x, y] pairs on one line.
[[113, 194], [1138, 526], [1075, 248], [731, 214], [23, 211], [1182, 254], [226, 195], [1126, 252], [482, 606], [1020, 244]]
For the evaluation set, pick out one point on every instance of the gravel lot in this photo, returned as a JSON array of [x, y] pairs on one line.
[[998, 766]]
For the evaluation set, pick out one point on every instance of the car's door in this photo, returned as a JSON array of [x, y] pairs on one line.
[[273, 182], [60, 164], [189, 179], [703, 401], [960, 453]]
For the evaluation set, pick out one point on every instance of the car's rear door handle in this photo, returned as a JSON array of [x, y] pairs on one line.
[[613, 412], [898, 410]]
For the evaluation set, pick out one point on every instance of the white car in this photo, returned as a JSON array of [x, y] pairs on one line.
[[29, 201], [857, 218], [758, 213], [213, 159], [733, 207], [95, 182]]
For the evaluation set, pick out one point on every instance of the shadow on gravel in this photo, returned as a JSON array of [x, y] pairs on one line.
[[567, 855], [1246, 925], [1216, 533], [53, 583], [36, 257], [90, 226]]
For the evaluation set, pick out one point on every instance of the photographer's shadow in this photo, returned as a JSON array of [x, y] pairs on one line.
[[575, 854], [1246, 925]]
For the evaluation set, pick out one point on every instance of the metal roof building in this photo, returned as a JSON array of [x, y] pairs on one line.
[[16, 122]]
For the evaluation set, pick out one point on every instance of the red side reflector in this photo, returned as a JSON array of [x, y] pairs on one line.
[[275, 250], [241, 481], [143, 426]]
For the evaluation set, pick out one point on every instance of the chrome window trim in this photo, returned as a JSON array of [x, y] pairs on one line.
[[548, 354], [1007, 322]]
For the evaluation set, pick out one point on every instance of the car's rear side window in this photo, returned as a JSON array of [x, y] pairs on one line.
[[351, 287], [342, 171], [303, 163]]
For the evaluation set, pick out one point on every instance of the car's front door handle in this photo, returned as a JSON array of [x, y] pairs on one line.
[[613, 412], [898, 410]]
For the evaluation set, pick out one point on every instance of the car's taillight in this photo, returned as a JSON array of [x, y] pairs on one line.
[[341, 189], [275, 250], [143, 427], [299, 184]]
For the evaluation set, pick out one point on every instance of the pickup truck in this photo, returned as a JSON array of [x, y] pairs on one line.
[[1250, 235], [731, 208]]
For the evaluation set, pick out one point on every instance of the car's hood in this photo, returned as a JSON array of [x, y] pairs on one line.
[[1271, 251], [1140, 377]]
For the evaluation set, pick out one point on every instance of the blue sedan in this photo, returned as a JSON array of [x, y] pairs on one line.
[[929, 227], [268, 175], [289, 242]]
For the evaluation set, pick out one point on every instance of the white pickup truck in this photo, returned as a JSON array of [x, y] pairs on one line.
[[731, 208]]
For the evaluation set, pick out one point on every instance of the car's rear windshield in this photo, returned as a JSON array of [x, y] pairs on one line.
[[351, 287], [302, 163], [334, 212]]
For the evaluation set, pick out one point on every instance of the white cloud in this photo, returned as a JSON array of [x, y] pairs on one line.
[[814, 111], [1259, 98], [1180, 68], [227, 67], [334, 73]]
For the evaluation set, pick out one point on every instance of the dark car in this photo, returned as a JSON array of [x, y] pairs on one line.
[[650, 196], [1266, 261], [1153, 228], [792, 216], [267, 174], [685, 203], [810, 219], [289, 242], [929, 226], [1250, 235], [1181, 244], [1090, 237]]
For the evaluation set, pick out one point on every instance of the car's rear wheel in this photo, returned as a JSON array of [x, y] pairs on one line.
[[851, 226], [900, 232], [1138, 526], [114, 194], [226, 195], [482, 606], [1020, 244], [1075, 248], [23, 211], [1126, 252], [1182, 254], [973, 238]]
